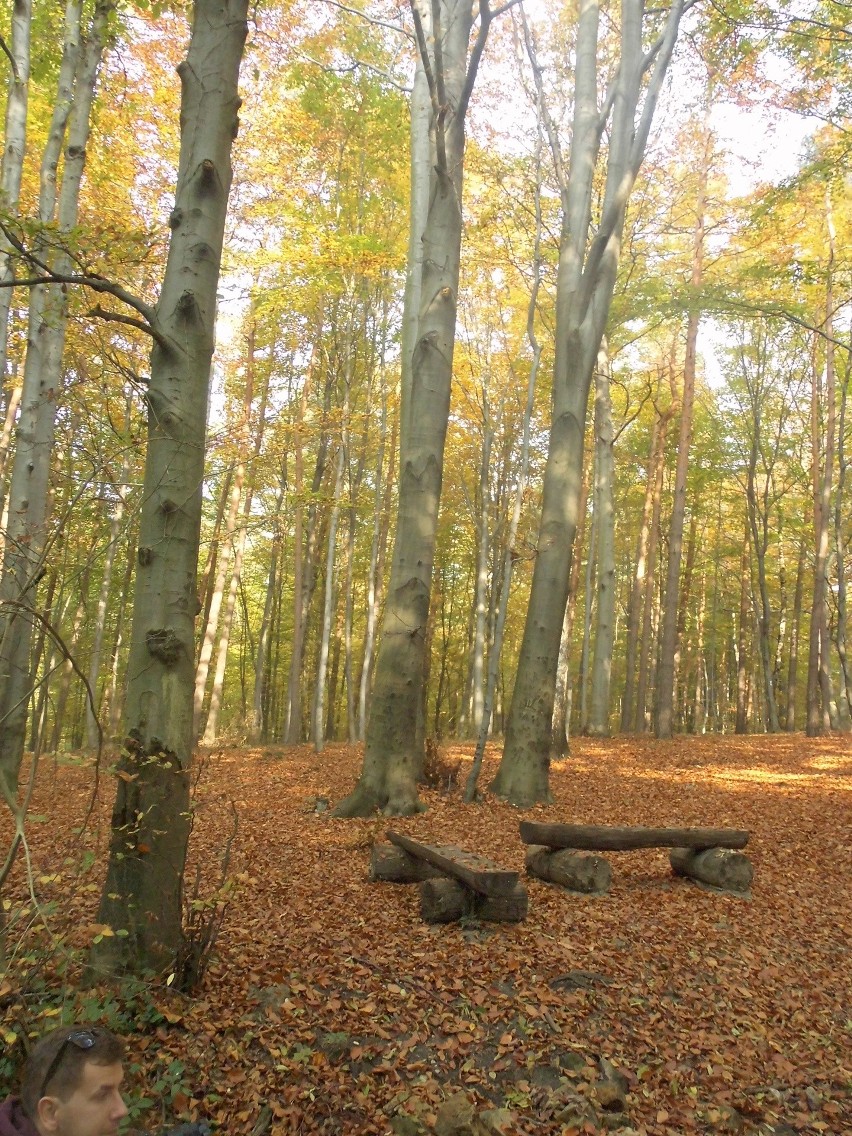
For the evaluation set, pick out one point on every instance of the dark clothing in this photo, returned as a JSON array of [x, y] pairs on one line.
[[14, 1121]]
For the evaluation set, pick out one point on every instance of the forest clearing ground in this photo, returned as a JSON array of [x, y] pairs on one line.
[[331, 1001]]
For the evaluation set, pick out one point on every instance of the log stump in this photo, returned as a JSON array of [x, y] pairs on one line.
[[444, 900], [720, 867], [571, 868], [395, 865]]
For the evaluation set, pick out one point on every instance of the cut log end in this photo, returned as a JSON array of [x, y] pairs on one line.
[[395, 865], [577, 870], [444, 900], [723, 868]]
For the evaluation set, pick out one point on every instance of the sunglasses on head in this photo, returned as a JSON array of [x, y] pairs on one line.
[[81, 1039]]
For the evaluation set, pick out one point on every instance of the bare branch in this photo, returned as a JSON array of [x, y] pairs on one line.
[[5, 49]]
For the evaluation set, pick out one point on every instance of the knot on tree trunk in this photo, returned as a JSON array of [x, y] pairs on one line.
[[164, 644]]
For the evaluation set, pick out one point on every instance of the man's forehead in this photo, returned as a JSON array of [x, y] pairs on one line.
[[96, 1073]]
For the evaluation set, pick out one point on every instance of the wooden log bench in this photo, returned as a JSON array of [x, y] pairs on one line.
[[453, 883], [560, 853]]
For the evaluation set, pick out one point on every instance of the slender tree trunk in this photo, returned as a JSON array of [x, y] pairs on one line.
[[259, 730], [637, 590], [819, 687], [392, 755], [563, 693], [585, 281], [27, 532], [12, 161], [741, 723], [318, 723], [665, 685], [151, 821], [795, 630], [93, 732], [841, 547], [598, 724]]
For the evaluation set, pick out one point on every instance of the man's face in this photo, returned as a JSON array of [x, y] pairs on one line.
[[95, 1107]]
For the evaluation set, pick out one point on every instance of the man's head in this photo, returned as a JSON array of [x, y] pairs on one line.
[[71, 1084]]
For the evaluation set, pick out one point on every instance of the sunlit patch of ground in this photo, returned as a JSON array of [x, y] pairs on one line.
[[707, 1001]]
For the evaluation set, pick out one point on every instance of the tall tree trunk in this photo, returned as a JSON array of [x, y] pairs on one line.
[[14, 147], [150, 821], [822, 469], [637, 589], [841, 546], [598, 724], [318, 715], [795, 630], [93, 729], [741, 722], [665, 685], [27, 532], [392, 755], [585, 281], [259, 727]]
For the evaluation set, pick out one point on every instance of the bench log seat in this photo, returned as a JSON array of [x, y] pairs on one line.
[[475, 872], [603, 838]]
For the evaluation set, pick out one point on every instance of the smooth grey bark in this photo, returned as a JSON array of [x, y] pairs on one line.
[[14, 147], [151, 821], [517, 502], [598, 721], [318, 723], [93, 727], [640, 573], [841, 546], [392, 756], [27, 533], [586, 275], [819, 696], [795, 632], [259, 725], [666, 664]]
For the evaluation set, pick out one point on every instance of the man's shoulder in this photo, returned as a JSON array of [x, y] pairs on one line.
[[14, 1121]]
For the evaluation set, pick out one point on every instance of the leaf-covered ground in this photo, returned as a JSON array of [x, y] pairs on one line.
[[330, 1002]]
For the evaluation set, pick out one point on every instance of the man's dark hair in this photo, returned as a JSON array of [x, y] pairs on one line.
[[57, 1059]]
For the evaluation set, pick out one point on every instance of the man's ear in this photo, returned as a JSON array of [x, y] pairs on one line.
[[47, 1119]]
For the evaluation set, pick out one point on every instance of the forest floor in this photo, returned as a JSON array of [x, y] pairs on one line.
[[329, 1002]]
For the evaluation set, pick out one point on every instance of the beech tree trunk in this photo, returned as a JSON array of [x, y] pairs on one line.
[[393, 752], [27, 535], [14, 146], [585, 281], [150, 822], [604, 638], [666, 667]]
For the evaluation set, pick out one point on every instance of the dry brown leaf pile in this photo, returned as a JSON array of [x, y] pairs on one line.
[[330, 1002]]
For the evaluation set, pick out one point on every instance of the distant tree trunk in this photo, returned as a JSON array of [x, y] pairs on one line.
[[841, 545], [483, 548], [665, 685], [93, 733], [585, 282], [392, 756], [650, 614], [822, 472], [305, 541], [318, 723], [598, 724], [641, 571], [27, 531], [12, 161], [517, 502], [793, 660], [741, 723], [259, 727], [150, 822], [374, 577]]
